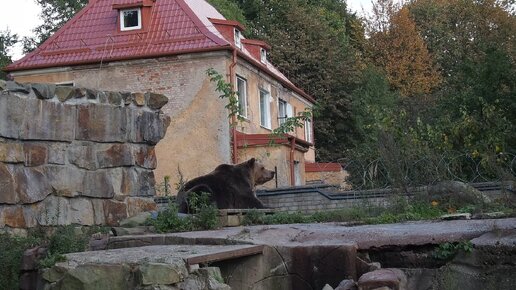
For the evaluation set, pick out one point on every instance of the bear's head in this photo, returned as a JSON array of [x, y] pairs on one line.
[[259, 173]]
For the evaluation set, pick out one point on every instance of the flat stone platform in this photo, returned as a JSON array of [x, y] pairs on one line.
[[364, 237]]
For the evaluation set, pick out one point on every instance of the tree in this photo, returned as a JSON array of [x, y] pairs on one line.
[[473, 42], [7, 40], [55, 13], [397, 47]]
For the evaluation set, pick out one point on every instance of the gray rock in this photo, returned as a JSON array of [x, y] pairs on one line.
[[64, 94], [13, 86], [3, 85], [114, 98], [47, 121], [160, 273], [101, 123], [97, 184], [83, 155], [31, 184], [347, 285], [44, 91], [327, 287], [388, 277], [7, 185], [156, 101], [135, 221], [94, 277], [456, 216], [116, 155]]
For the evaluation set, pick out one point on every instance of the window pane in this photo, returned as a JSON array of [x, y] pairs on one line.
[[242, 97], [131, 18], [264, 109], [282, 112]]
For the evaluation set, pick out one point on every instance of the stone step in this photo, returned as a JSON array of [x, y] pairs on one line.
[[152, 265]]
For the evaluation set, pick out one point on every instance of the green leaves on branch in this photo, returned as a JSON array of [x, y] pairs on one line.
[[226, 92]]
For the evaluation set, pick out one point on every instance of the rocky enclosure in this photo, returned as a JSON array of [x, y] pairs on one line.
[[74, 155]]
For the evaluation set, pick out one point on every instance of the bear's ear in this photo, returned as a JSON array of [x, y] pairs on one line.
[[251, 162]]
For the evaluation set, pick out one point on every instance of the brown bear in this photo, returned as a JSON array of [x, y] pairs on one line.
[[230, 186]]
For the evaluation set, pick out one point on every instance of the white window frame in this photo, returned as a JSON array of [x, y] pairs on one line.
[[282, 111], [242, 99], [139, 26], [308, 131], [263, 55], [265, 109], [238, 38]]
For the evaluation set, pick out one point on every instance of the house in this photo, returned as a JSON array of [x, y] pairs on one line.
[[166, 46]]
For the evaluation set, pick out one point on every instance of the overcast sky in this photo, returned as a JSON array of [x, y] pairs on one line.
[[21, 16]]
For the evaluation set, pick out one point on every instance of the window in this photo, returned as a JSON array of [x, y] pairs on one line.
[[265, 116], [263, 55], [308, 131], [130, 19], [242, 96], [282, 111], [238, 38]]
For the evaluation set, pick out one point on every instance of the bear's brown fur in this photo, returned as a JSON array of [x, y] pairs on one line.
[[230, 186]]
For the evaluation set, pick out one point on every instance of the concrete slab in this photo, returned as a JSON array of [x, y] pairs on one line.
[[365, 237], [167, 254]]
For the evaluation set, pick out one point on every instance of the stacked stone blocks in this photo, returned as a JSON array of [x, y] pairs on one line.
[[76, 156]]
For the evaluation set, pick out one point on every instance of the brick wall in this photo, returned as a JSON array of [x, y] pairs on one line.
[[311, 199], [76, 156]]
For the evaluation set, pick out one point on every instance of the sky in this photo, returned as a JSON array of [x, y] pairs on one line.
[[22, 16]]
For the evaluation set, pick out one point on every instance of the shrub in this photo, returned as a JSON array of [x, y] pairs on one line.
[[11, 252], [204, 216]]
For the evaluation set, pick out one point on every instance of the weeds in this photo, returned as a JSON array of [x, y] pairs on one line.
[[447, 251], [204, 216]]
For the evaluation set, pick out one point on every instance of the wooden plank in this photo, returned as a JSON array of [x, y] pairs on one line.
[[244, 251]]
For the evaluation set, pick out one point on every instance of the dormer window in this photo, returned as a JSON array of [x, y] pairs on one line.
[[130, 19], [263, 55], [238, 38]]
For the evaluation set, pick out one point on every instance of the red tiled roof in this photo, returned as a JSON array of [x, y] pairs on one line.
[[170, 27], [92, 36]]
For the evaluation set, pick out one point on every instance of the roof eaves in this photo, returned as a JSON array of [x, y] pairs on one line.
[[122, 58]]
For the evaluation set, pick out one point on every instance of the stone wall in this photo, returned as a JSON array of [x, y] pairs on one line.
[[197, 138], [76, 156]]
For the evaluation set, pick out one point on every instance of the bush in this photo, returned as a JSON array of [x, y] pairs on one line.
[[204, 216], [11, 252], [64, 240]]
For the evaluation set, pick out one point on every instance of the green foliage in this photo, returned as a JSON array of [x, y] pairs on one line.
[[398, 210], [66, 239], [11, 252], [7, 40], [447, 251], [169, 221], [204, 216], [230, 10], [205, 213], [226, 91], [164, 188], [55, 13]]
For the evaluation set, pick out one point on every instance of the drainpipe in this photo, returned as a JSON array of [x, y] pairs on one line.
[[292, 148], [232, 78]]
